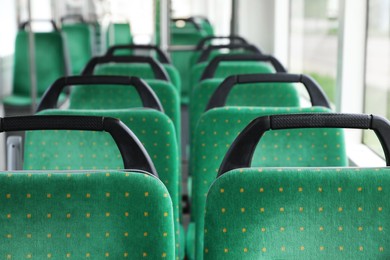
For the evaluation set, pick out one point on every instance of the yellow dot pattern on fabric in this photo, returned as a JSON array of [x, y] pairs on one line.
[[155, 130], [70, 226], [327, 212]]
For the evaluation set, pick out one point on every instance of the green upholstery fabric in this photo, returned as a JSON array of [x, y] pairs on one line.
[[196, 55], [174, 76], [165, 91], [55, 149], [260, 94], [218, 128], [226, 69], [290, 213], [97, 215], [50, 62], [119, 33], [79, 43], [181, 59]]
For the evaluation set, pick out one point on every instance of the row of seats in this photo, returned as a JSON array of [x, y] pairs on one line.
[[59, 52], [248, 197]]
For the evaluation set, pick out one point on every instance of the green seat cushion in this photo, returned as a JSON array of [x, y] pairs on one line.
[[259, 94], [70, 150], [217, 129], [98, 215], [50, 61], [291, 213], [79, 43]]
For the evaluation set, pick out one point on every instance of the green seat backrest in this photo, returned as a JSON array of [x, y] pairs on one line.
[[50, 60], [55, 149], [79, 42], [259, 94], [164, 90], [97, 215], [196, 55], [290, 213], [217, 129], [226, 69], [119, 33]]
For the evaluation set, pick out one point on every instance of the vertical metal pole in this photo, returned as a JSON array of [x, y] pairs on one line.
[[165, 18], [33, 70], [234, 18]]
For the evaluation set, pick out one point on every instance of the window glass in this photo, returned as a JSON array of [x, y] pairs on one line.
[[314, 40], [377, 66]]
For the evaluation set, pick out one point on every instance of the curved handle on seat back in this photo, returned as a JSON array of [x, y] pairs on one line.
[[162, 57], [158, 70], [51, 96], [133, 153], [247, 47], [233, 39], [188, 20], [241, 151], [23, 25], [219, 97], [214, 63], [77, 17]]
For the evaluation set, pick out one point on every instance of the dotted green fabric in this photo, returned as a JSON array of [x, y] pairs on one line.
[[260, 94], [119, 33], [71, 150], [79, 42], [140, 70], [291, 213], [117, 96], [226, 69], [50, 62], [217, 130], [78, 215]]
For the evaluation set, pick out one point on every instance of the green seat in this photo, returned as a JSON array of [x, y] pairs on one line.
[[119, 33], [256, 94], [302, 214], [298, 213], [154, 129], [50, 60], [79, 42], [172, 72], [216, 131], [207, 41], [226, 65], [85, 214], [164, 90]]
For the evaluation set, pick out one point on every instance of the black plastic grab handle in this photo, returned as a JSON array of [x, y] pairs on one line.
[[235, 39], [241, 151], [317, 95], [77, 17], [23, 25], [158, 70], [247, 47], [51, 96], [188, 20], [133, 153], [214, 63], [162, 57]]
